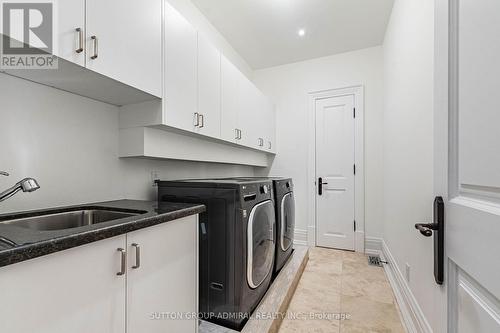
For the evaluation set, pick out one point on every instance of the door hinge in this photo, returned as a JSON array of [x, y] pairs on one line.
[[354, 169], [354, 225], [354, 112]]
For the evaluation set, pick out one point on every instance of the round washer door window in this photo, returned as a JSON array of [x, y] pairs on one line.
[[287, 226], [260, 243]]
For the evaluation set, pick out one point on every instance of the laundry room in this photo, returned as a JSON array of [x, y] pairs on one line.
[[254, 166]]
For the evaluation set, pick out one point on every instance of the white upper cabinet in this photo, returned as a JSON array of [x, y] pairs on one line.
[[180, 76], [209, 88], [249, 115], [270, 115], [71, 31], [124, 42], [232, 85]]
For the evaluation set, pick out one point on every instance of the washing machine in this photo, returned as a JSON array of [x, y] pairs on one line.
[[285, 221], [237, 243], [284, 202]]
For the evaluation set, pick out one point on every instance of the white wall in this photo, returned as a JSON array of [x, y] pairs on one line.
[[70, 145], [289, 86], [200, 22], [408, 143]]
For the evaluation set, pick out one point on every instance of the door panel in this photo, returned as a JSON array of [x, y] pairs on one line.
[[180, 61], [334, 164], [260, 243], [209, 87], [129, 42], [167, 278], [287, 227], [470, 174]]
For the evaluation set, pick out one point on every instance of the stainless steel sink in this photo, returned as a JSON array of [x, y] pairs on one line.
[[70, 219]]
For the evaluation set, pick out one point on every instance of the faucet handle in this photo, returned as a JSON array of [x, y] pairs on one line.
[[3, 173]]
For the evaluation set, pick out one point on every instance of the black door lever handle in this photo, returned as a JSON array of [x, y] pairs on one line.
[[426, 228], [320, 185]]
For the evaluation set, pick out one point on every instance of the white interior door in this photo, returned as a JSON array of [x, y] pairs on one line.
[[335, 158], [468, 159]]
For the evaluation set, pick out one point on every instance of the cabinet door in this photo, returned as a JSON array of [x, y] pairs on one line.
[[180, 77], [270, 111], [248, 116], [166, 278], [209, 87], [71, 43], [232, 81], [75, 290], [128, 35]]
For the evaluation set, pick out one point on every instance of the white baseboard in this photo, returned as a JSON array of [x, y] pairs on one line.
[[373, 245], [300, 237], [411, 313]]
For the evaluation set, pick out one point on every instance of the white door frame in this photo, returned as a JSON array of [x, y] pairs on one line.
[[357, 92]]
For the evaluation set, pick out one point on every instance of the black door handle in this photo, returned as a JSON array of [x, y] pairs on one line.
[[320, 185], [426, 228], [437, 229]]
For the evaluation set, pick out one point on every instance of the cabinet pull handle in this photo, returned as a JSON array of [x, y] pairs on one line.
[[270, 144], [123, 265], [202, 117], [96, 47], [80, 40], [261, 142], [137, 256], [240, 134], [196, 119], [237, 134]]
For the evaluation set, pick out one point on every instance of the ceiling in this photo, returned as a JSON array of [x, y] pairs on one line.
[[265, 32]]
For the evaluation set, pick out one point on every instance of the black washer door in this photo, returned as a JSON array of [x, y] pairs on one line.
[[287, 225], [260, 243]]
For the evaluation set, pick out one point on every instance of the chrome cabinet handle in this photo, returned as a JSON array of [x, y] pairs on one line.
[[80, 40], [237, 134], [137, 256], [261, 142], [96, 47], [202, 117], [123, 265], [3, 173], [270, 144], [196, 119], [240, 136]]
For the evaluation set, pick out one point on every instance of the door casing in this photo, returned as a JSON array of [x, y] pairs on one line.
[[357, 91]]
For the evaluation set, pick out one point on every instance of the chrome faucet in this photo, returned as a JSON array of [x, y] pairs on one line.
[[25, 185]]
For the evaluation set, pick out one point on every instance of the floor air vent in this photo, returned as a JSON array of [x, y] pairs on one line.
[[375, 261]]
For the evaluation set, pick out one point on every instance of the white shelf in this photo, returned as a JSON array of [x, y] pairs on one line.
[[147, 142]]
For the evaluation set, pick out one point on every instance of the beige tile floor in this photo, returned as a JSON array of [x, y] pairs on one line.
[[339, 283]]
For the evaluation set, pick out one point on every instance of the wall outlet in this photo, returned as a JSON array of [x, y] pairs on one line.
[[154, 177], [407, 272]]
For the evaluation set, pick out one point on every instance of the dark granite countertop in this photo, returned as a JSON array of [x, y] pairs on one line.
[[32, 243]]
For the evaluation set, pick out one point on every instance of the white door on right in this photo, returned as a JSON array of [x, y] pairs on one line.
[[467, 153], [335, 157]]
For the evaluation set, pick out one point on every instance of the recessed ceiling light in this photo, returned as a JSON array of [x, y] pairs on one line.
[[301, 32]]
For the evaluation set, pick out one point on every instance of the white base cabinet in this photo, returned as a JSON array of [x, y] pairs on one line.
[[162, 289], [78, 290], [75, 291]]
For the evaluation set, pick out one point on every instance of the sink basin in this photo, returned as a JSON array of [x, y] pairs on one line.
[[70, 219]]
